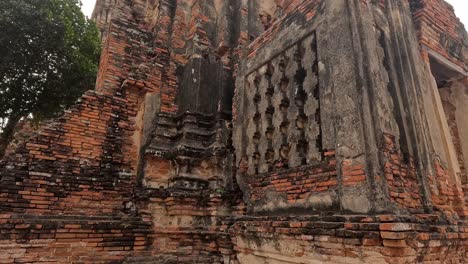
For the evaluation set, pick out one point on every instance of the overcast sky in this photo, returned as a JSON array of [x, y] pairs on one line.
[[461, 8], [88, 6]]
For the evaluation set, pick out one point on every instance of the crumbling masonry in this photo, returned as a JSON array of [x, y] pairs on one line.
[[254, 131]]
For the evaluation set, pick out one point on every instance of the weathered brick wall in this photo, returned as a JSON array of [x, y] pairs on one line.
[[102, 15], [402, 180], [71, 239], [401, 176], [445, 194], [125, 50], [187, 224], [66, 193], [348, 239], [353, 173], [72, 164], [270, 12], [297, 9], [440, 30], [296, 184], [100, 185]]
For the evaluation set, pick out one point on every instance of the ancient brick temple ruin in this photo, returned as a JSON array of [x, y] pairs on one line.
[[254, 131]]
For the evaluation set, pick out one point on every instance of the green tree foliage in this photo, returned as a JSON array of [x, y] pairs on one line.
[[49, 53]]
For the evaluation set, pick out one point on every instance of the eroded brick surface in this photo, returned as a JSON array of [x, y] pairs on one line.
[[440, 30], [253, 132]]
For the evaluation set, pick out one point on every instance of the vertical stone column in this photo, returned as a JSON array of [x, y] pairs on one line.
[[317, 99], [415, 153], [345, 102]]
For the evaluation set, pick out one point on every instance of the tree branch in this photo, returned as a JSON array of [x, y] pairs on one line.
[[7, 134]]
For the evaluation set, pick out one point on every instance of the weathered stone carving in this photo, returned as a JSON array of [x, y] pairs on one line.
[[283, 102]]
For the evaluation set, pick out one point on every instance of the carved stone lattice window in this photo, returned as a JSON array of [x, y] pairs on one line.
[[284, 110]]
